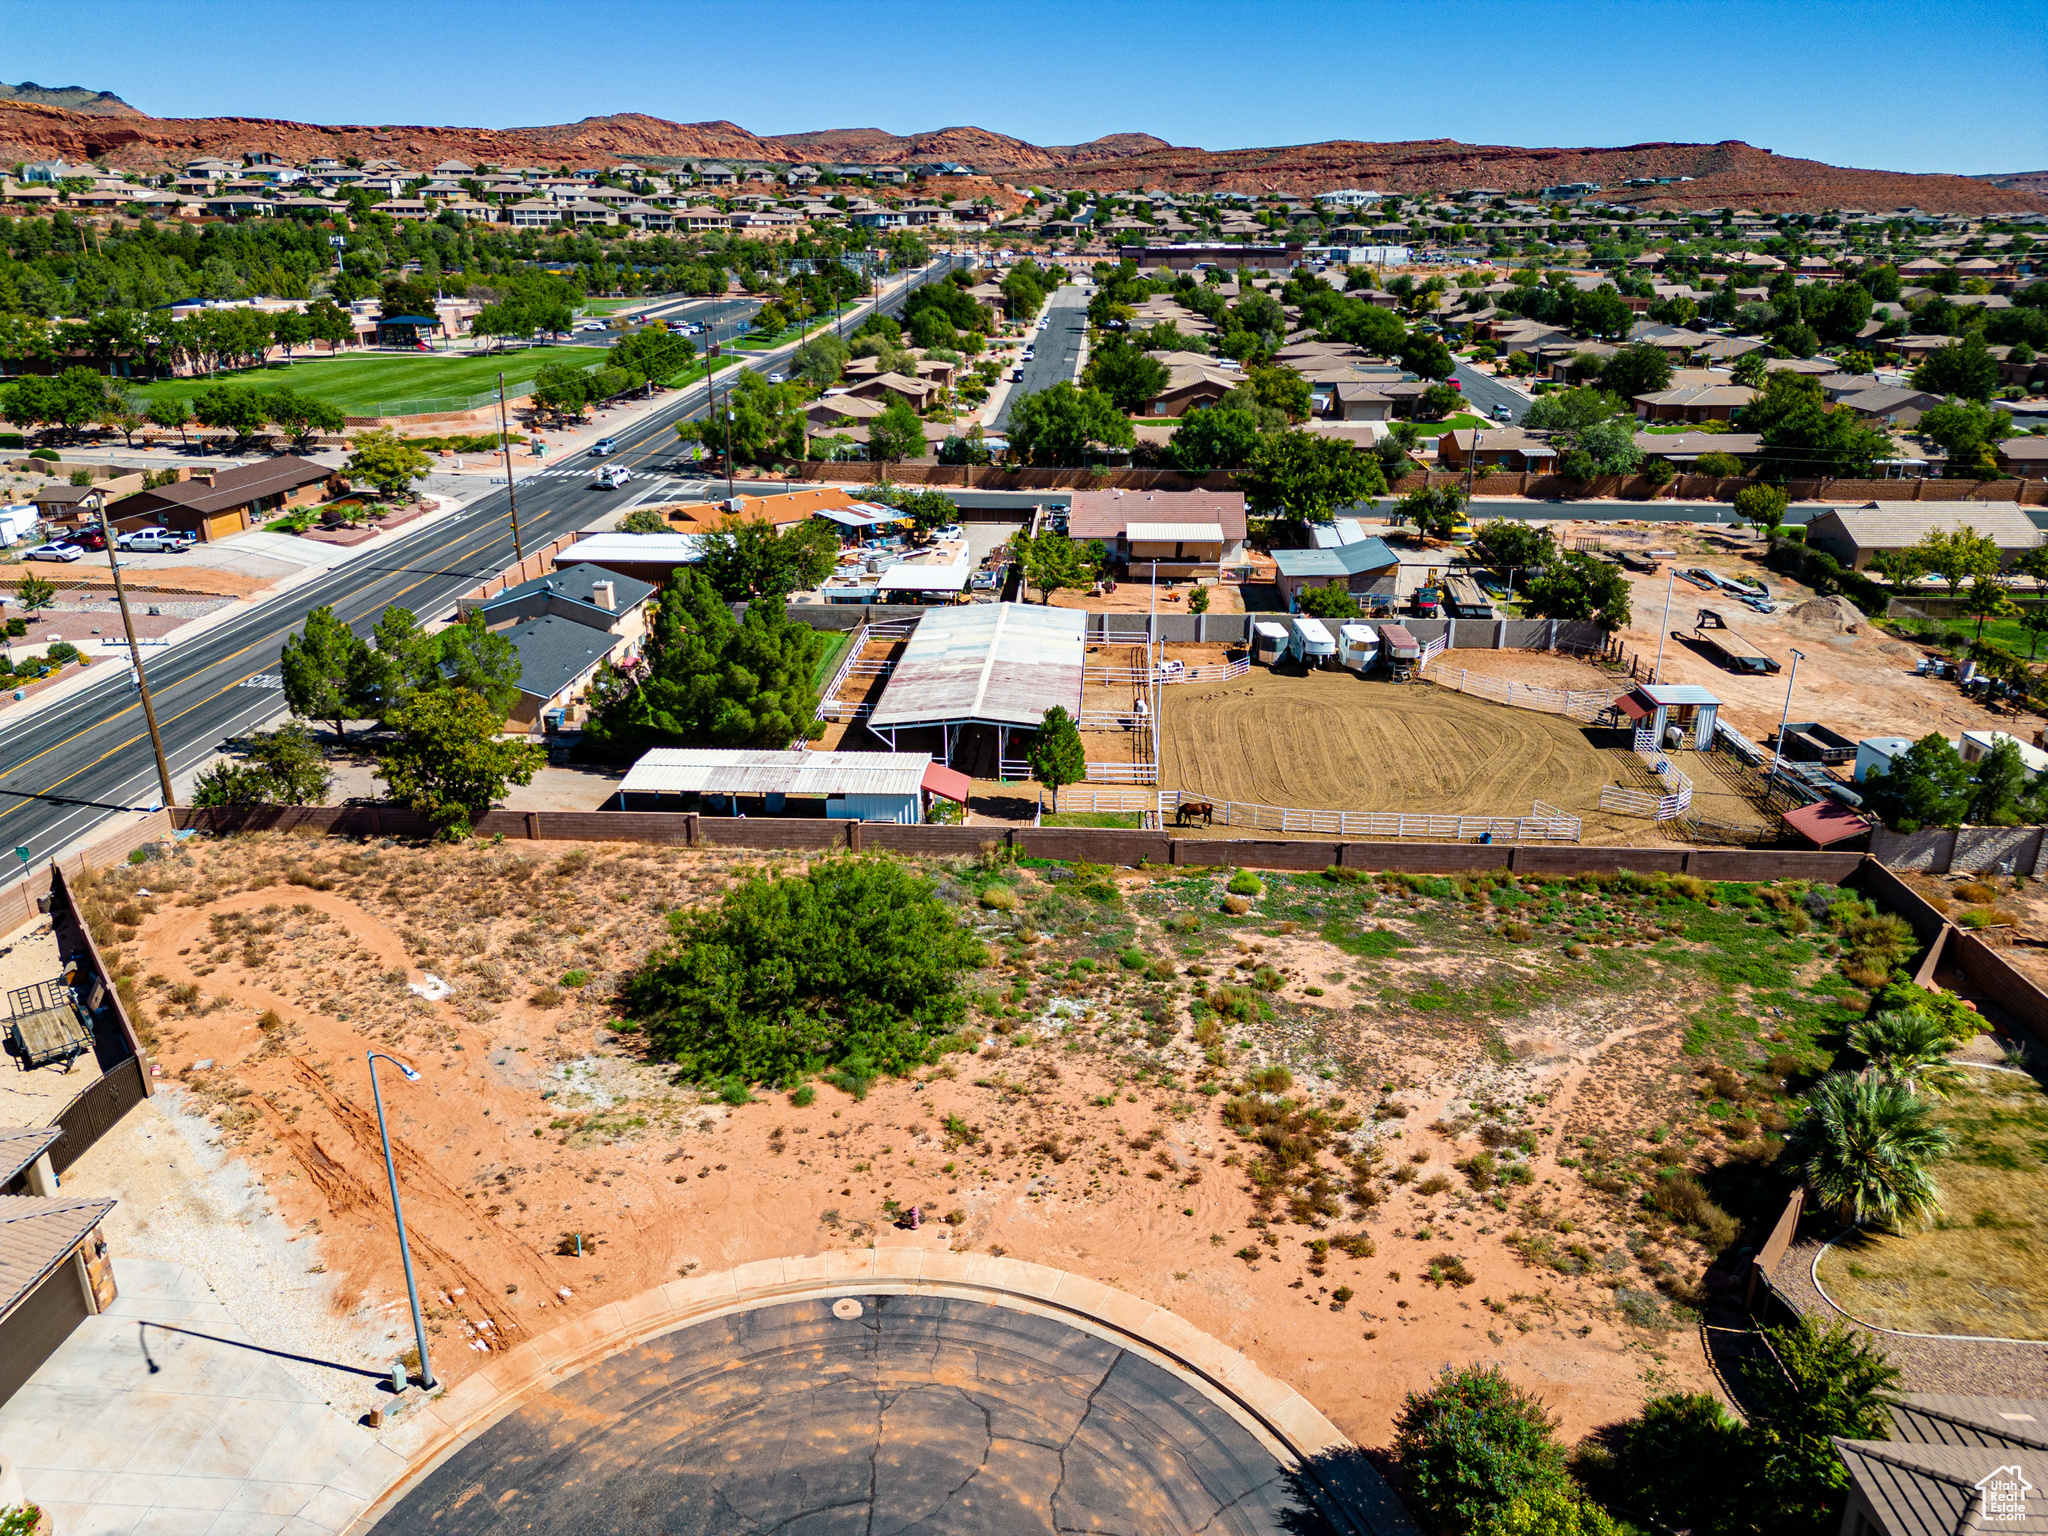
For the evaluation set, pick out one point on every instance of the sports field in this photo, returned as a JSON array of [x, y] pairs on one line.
[[393, 384]]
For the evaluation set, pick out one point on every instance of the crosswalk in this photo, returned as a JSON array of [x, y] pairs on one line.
[[263, 680]]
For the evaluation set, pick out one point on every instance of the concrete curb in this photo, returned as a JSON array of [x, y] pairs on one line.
[[1284, 1421]]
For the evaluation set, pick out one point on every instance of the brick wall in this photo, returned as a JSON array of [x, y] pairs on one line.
[[992, 478]]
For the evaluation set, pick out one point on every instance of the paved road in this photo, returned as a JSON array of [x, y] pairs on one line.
[[93, 747], [1486, 392], [1528, 510], [1057, 357], [924, 1416]]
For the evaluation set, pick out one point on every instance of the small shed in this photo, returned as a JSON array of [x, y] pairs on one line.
[[835, 786], [1659, 707]]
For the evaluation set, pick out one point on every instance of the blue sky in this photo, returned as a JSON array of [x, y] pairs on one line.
[[1903, 86]]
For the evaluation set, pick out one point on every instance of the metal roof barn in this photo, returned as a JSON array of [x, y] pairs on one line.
[[1001, 664], [761, 771]]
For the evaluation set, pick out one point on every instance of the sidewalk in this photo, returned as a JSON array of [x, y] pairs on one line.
[[163, 1416]]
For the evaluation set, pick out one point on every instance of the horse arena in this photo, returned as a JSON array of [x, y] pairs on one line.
[[1330, 740]]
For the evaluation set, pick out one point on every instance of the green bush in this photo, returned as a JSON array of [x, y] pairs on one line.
[[1552, 1512], [1473, 1444], [1244, 883], [854, 964]]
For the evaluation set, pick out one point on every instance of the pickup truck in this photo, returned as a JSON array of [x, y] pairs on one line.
[[154, 541]]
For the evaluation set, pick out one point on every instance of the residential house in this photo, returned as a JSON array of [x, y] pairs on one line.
[[701, 216], [1682, 448], [583, 212], [1192, 381], [918, 392], [556, 664], [1711, 402], [212, 506], [1951, 1466], [558, 659], [2026, 457], [644, 216], [1510, 450], [712, 174], [1185, 533], [1857, 535], [1893, 405], [534, 213], [54, 1269], [1357, 566]]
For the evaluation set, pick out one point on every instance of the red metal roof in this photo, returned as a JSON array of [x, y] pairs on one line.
[[1635, 706], [1826, 822], [947, 783]]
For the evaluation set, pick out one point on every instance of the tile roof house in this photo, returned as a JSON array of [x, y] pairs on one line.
[[2026, 457], [1712, 402], [1855, 535], [1952, 1465], [1128, 521], [558, 658], [213, 506], [1896, 405], [1192, 380], [53, 1268], [1505, 448]]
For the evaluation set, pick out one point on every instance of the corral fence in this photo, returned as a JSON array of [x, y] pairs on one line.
[[1636, 802], [831, 707], [1544, 824], [1583, 705], [1168, 672]]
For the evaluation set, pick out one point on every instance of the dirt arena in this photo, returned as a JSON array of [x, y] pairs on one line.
[[1329, 740]]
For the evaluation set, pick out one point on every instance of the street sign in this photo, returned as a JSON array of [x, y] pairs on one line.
[[21, 852]]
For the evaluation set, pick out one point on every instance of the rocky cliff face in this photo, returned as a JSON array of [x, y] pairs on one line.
[[75, 98], [1729, 174]]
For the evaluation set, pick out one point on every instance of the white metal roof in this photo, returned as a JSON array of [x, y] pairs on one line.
[[757, 771], [1003, 663], [636, 548], [916, 576], [1176, 533], [1676, 693]]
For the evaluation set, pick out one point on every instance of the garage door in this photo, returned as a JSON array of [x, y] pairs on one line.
[[32, 1331]]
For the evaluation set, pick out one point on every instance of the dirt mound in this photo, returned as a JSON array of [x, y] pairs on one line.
[[1836, 613]]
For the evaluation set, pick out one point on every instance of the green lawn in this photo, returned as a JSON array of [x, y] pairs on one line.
[[758, 343], [1458, 423], [1092, 819], [2005, 632], [393, 384]]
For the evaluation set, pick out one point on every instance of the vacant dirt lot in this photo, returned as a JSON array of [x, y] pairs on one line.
[[1356, 1131]]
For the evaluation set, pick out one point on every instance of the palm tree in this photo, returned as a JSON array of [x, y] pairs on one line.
[[1864, 1147], [1910, 1048]]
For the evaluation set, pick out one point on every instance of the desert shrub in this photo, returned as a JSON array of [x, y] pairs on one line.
[[1481, 1168], [1685, 1200], [1448, 1269], [804, 1097], [1244, 883], [1355, 1244], [999, 898], [855, 959], [1554, 1511], [549, 996], [1272, 1079], [1975, 892], [1964, 1022], [1474, 1443], [1237, 906]]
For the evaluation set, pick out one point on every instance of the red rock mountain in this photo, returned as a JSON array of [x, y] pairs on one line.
[[1728, 174]]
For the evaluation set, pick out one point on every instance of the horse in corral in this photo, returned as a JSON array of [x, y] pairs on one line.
[[1188, 810]]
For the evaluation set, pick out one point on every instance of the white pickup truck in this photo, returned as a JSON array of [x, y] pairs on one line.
[[160, 541]]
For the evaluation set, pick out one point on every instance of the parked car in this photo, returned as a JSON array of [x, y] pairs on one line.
[[87, 538], [594, 325], [161, 541], [951, 531], [57, 551], [604, 447], [778, 378], [612, 476], [1502, 413]]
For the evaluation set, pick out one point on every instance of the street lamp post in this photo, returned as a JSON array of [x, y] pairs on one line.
[[728, 455], [1778, 758], [412, 1290]]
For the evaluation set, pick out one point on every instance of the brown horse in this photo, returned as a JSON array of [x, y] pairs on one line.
[[1188, 810]]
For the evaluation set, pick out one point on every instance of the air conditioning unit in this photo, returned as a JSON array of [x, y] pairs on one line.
[[736, 504]]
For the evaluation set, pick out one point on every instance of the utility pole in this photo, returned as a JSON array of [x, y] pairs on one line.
[[1778, 759], [1664, 630], [728, 454], [156, 740], [511, 492], [412, 1290]]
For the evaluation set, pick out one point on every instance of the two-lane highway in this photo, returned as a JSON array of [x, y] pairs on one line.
[[64, 766]]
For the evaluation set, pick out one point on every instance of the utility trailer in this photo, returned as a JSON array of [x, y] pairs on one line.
[[1729, 646], [46, 1025], [1808, 741]]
